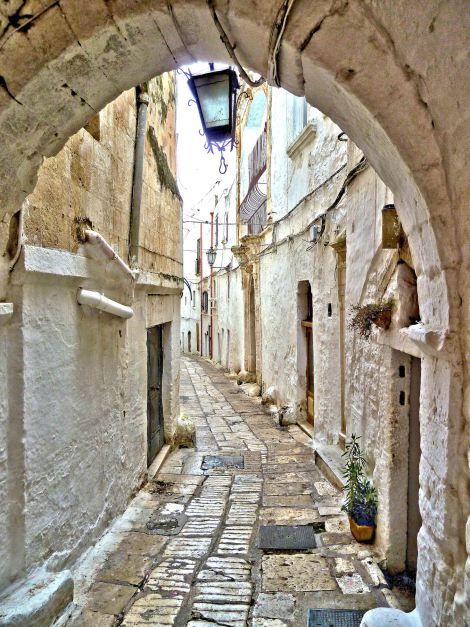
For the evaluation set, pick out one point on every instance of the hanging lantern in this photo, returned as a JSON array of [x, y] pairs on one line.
[[211, 255], [215, 95]]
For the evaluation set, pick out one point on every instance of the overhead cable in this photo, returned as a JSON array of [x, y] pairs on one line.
[[231, 50]]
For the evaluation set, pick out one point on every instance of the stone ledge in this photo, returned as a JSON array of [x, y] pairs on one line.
[[306, 134], [306, 427], [329, 461], [38, 600], [36, 261], [157, 463]]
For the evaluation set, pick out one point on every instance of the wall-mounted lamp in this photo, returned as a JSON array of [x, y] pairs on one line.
[[211, 255]]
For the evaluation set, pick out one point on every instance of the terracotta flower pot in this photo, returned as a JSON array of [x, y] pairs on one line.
[[362, 533], [384, 319]]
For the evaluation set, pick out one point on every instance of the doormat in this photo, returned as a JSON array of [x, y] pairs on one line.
[[335, 618], [219, 461], [286, 538]]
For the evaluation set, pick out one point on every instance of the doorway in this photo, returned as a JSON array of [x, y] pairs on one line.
[[189, 342], [252, 328], [308, 329], [414, 455], [155, 432]]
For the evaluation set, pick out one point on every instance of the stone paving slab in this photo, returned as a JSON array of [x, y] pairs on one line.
[[109, 598], [288, 516], [296, 573]]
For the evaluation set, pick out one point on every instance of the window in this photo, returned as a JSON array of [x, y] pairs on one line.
[[198, 256], [297, 116], [216, 230], [205, 302]]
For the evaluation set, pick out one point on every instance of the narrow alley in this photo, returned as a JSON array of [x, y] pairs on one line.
[[186, 552]]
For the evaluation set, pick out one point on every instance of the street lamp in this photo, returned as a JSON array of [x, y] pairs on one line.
[[215, 94], [211, 255]]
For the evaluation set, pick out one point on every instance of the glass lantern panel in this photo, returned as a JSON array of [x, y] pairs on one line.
[[214, 98]]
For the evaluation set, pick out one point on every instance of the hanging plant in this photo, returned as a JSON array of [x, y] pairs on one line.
[[364, 316]]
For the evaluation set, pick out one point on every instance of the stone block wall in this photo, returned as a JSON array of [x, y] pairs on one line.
[[74, 408], [90, 181]]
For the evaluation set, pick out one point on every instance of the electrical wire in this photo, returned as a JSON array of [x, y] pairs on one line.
[[281, 23], [31, 19], [230, 49]]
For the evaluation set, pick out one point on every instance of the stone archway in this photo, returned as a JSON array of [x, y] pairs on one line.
[[391, 75]]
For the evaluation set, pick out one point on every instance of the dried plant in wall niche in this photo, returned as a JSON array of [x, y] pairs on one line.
[[364, 316]]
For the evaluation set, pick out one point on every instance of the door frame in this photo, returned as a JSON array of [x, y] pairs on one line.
[[157, 329]]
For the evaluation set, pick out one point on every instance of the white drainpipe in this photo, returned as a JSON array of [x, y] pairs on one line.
[[99, 301]]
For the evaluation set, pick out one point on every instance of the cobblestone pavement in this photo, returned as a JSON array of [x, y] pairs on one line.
[[186, 550]]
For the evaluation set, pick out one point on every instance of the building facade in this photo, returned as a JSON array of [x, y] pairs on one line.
[[91, 394], [311, 237]]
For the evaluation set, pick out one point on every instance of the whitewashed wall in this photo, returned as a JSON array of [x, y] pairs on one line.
[[80, 397], [303, 185]]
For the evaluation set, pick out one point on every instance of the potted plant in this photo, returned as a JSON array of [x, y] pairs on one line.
[[364, 316], [361, 496]]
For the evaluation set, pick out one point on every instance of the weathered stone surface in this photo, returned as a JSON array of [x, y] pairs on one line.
[[303, 500], [352, 584], [123, 567], [109, 598], [325, 510], [43, 597], [296, 573], [286, 489], [337, 525], [288, 515], [279, 605], [325, 489], [152, 609], [87, 618]]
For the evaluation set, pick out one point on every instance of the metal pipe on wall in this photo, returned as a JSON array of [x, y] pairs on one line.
[[200, 292], [211, 283], [143, 100]]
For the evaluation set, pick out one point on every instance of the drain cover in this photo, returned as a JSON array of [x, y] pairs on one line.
[[216, 461], [335, 618], [286, 538]]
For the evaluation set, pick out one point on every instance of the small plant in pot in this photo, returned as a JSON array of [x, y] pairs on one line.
[[360, 495], [364, 316]]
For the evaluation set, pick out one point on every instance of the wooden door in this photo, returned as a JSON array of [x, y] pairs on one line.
[[155, 433], [309, 374]]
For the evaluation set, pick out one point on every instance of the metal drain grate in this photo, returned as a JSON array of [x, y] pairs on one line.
[[218, 461], [286, 538], [335, 618]]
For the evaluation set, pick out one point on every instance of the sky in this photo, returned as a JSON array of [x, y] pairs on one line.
[[197, 171]]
